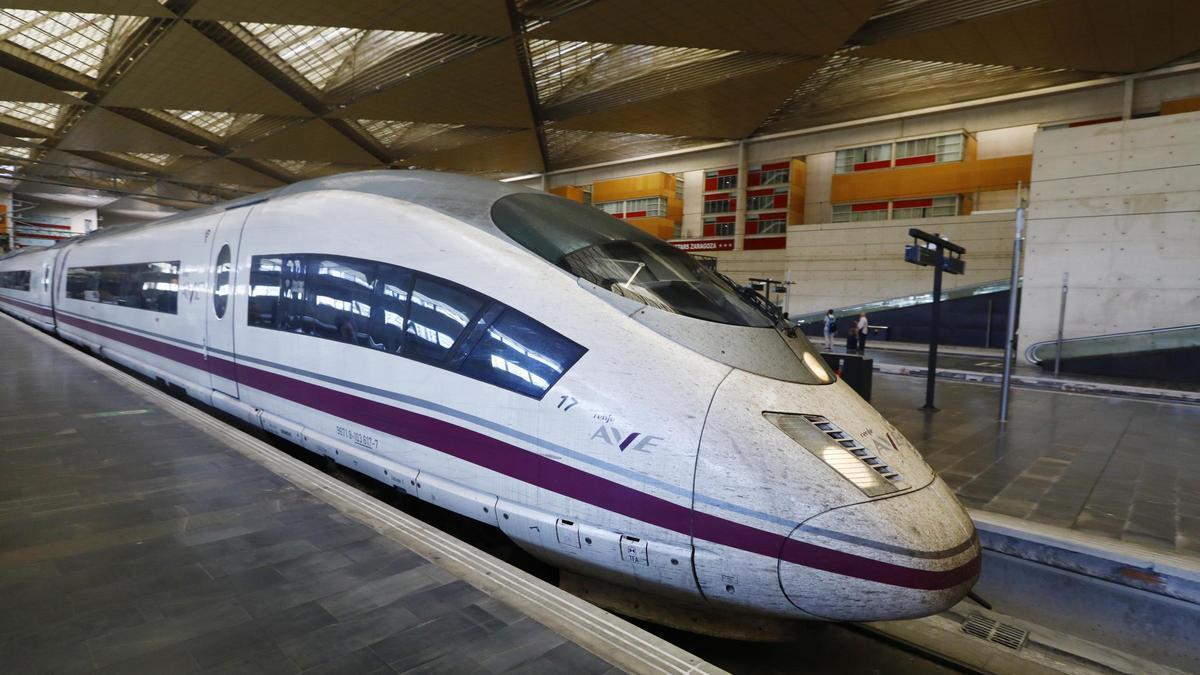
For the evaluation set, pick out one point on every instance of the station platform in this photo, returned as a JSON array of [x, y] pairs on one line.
[[1109, 466], [137, 534]]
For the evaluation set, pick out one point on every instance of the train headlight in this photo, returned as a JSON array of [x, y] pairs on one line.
[[840, 451]]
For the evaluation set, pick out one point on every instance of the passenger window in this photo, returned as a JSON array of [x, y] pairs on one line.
[[221, 283], [266, 276], [521, 354], [339, 293], [291, 297], [395, 286], [439, 312]]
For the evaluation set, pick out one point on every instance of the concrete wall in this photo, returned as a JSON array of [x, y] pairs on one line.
[[839, 264], [1117, 206]]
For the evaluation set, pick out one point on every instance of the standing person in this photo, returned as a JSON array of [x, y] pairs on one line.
[[861, 328], [830, 329]]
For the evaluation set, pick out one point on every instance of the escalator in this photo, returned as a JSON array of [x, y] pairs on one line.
[[1158, 354]]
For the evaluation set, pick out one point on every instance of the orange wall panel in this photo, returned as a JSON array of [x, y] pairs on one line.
[[569, 191], [663, 228], [1181, 105], [931, 179], [632, 187], [798, 186]]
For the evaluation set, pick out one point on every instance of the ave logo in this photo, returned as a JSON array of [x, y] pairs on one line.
[[610, 435]]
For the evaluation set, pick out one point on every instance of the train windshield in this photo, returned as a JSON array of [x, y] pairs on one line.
[[595, 246]]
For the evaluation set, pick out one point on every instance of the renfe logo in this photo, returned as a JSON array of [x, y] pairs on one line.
[[636, 440]]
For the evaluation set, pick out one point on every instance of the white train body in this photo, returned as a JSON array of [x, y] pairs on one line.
[[664, 457]]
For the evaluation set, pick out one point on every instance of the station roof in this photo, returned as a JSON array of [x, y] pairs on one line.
[[196, 100]]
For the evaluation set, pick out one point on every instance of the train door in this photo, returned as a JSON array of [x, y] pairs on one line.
[[219, 315]]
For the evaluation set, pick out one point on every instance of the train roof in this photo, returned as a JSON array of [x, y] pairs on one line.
[[466, 198]]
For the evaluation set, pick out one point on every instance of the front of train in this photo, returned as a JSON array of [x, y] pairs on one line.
[[807, 503]]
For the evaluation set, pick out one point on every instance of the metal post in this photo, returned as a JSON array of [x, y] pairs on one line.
[[1062, 311], [739, 213], [1011, 329], [931, 376], [987, 331]]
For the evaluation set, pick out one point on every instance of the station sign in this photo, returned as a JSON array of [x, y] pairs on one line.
[[724, 244]]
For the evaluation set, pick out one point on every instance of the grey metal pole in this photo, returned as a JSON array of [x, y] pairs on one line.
[[935, 325], [1011, 331], [1062, 311]]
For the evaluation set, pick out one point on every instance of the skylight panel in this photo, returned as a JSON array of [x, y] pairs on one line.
[[155, 158], [565, 68], [219, 124], [12, 151], [320, 53], [74, 40], [38, 114], [393, 134]]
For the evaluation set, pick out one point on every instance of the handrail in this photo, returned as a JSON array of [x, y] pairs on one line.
[[1150, 339]]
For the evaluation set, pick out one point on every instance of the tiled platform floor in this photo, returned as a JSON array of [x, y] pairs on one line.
[[1112, 467], [132, 542]]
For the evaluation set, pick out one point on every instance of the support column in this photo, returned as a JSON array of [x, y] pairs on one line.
[[1127, 106], [739, 214]]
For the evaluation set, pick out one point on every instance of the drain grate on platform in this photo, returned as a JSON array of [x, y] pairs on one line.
[[993, 631]]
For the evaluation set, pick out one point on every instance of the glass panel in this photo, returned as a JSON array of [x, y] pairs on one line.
[[718, 206], [151, 286], [38, 114], [266, 278], [293, 306], [339, 299], [727, 182], [395, 285], [759, 202], [521, 354], [774, 177], [17, 280], [622, 258], [439, 312], [725, 229], [775, 226], [221, 283], [841, 213]]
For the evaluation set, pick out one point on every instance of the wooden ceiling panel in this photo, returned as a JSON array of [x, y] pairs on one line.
[[517, 152], [704, 111], [1106, 36], [810, 27], [483, 88], [101, 130], [465, 17], [186, 71], [313, 140], [16, 87], [225, 171]]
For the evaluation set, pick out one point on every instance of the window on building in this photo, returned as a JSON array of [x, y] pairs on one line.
[[587, 195], [774, 177], [925, 208], [861, 159], [723, 204], [851, 213], [948, 148], [152, 286], [725, 229], [678, 187], [393, 309], [727, 182], [17, 280], [773, 225], [759, 202], [635, 208]]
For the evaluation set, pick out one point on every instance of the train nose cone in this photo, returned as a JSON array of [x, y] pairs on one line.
[[907, 556]]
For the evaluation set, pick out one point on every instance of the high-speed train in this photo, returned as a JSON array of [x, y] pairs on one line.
[[614, 407]]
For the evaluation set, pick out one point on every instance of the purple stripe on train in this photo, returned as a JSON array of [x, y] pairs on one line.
[[529, 467]]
